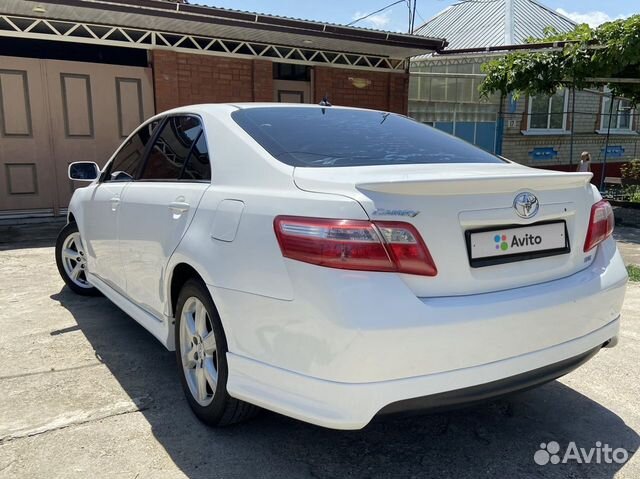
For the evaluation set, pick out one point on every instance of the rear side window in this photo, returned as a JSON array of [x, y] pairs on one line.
[[327, 137], [128, 161], [172, 148], [198, 167]]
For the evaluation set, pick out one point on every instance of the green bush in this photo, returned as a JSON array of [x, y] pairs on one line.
[[634, 272], [631, 171]]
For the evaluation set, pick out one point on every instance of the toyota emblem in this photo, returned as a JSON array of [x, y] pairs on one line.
[[526, 205]]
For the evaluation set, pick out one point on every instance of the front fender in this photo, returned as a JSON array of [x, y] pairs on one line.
[[75, 210]]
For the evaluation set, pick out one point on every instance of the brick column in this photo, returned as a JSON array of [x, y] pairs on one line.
[[399, 93], [165, 79], [262, 80]]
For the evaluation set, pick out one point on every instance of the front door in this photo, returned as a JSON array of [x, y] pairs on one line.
[[156, 209], [100, 233], [101, 222]]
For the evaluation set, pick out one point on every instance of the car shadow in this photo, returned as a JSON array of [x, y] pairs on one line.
[[495, 439], [38, 235], [627, 234]]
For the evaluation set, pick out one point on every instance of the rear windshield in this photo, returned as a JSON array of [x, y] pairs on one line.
[[326, 137]]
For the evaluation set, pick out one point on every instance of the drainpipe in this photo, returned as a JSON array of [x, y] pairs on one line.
[[508, 40], [573, 121], [499, 127], [606, 145]]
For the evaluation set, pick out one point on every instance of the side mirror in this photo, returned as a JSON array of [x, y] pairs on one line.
[[83, 171]]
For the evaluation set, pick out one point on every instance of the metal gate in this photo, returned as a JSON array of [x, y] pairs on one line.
[[55, 112]]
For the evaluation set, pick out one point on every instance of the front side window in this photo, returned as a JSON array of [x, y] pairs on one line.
[[128, 160], [172, 147], [547, 112], [327, 137], [617, 118]]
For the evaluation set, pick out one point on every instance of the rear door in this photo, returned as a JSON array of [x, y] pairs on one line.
[[158, 207]]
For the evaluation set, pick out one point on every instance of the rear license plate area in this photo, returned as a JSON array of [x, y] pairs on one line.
[[491, 246]]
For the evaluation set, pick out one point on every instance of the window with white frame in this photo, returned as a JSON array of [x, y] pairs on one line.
[[617, 117], [548, 112]]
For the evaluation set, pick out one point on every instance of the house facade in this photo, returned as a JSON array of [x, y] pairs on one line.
[[77, 76], [542, 131]]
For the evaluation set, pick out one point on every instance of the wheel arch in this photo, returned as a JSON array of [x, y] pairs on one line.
[[181, 272]]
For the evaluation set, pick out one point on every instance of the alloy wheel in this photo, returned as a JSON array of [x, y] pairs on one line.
[[198, 351], [74, 260]]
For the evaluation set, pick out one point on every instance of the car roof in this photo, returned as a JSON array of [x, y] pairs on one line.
[[230, 107]]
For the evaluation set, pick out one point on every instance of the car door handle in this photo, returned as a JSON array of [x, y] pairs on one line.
[[115, 201], [177, 207]]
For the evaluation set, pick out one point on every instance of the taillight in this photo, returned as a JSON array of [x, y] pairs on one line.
[[406, 248], [354, 244], [600, 225]]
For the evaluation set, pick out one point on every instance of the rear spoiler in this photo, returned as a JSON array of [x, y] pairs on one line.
[[484, 184]]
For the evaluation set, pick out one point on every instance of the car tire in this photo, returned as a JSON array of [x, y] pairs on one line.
[[203, 365], [71, 261]]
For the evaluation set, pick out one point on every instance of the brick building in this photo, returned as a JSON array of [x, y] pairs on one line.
[[76, 76], [542, 131]]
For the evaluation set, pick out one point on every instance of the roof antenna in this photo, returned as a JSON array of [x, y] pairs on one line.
[[325, 100]]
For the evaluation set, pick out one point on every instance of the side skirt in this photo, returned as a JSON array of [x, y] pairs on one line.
[[158, 327]]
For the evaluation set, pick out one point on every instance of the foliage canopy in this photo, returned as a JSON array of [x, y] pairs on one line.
[[611, 50]]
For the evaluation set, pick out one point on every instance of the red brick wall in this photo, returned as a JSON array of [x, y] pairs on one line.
[[387, 91], [185, 78]]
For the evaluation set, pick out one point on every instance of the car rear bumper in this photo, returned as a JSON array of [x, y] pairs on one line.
[[350, 343], [352, 406], [360, 327], [493, 389]]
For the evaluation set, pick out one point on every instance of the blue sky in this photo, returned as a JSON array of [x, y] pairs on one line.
[[396, 18]]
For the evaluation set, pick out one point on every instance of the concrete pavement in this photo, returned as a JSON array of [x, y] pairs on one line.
[[86, 392]]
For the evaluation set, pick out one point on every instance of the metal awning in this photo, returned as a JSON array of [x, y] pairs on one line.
[[209, 22]]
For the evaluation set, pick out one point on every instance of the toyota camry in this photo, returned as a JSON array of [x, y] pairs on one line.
[[332, 264]]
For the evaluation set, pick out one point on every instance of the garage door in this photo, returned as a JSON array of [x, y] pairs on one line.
[[55, 112]]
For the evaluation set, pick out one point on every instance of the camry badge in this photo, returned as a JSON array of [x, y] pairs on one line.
[[386, 212], [526, 205]]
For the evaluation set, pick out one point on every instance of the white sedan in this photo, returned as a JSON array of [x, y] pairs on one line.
[[331, 264]]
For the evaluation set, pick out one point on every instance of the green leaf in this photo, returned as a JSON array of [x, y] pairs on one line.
[[610, 51]]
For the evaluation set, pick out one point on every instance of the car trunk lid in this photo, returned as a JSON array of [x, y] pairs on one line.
[[446, 202]]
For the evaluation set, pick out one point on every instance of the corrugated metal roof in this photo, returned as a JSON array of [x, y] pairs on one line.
[[227, 24], [488, 23]]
